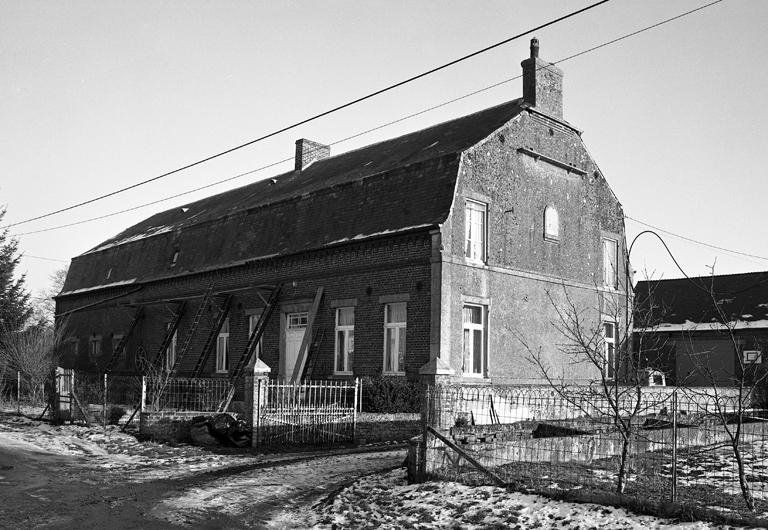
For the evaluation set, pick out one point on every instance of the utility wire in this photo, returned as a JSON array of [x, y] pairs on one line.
[[367, 131], [316, 116], [44, 258], [696, 241]]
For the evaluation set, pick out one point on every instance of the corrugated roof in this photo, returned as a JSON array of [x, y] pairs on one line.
[[387, 187], [683, 302]]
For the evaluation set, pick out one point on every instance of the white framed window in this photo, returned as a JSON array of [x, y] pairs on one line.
[[609, 349], [253, 320], [298, 320], [752, 356], [345, 340], [476, 214], [222, 348], [94, 348], [475, 340], [551, 224], [170, 351], [610, 263], [394, 337]]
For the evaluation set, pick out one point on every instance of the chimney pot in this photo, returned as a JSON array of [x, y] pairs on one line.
[[308, 151], [534, 47]]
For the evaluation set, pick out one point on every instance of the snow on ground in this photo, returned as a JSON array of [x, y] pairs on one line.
[[110, 449], [74, 476], [387, 501]]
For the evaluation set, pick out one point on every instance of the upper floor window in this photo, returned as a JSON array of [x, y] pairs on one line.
[[345, 339], [475, 338], [610, 263], [222, 348], [476, 214], [551, 224], [116, 340], [394, 337]]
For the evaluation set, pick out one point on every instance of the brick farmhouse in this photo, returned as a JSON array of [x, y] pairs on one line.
[[426, 255]]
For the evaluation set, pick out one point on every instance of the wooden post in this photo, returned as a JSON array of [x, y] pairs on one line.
[[18, 391], [497, 479]]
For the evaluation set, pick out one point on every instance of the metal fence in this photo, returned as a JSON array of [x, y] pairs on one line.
[[662, 444], [308, 413]]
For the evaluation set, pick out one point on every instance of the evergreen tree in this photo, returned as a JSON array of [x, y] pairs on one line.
[[14, 299]]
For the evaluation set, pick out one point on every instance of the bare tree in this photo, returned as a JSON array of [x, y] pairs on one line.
[[592, 339], [33, 352]]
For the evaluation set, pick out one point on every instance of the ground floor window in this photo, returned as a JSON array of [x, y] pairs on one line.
[[170, 351], [253, 321], [394, 337], [94, 348], [609, 348], [345, 339], [475, 340], [222, 348]]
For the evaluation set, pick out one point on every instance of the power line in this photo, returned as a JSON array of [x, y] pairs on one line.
[[316, 116], [44, 258], [696, 241], [367, 131]]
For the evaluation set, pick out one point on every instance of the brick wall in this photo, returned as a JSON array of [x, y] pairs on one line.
[[362, 272]]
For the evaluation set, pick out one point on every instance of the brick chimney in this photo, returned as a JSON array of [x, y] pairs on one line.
[[308, 151], [542, 83]]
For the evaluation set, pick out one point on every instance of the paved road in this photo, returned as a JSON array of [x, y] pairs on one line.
[[38, 490]]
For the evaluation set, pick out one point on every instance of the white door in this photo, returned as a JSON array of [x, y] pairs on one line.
[[295, 325]]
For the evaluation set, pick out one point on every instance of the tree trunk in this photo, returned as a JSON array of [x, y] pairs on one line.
[[621, 481], [748, 499]]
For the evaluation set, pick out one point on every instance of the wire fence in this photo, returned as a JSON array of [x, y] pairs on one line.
[[20, 390], [201, 394], [657, 445]]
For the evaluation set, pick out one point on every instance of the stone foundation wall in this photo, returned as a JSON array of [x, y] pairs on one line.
[[167, 426], [373, 427]]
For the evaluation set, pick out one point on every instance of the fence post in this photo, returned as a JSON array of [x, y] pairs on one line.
[[18, 391], [674, 445], [143, 405], [354, 410], [104, 404]]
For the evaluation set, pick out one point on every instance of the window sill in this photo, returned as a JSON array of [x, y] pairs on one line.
[[222, 371], [343, 373], [555, 240], [393, 374], [473, 376]]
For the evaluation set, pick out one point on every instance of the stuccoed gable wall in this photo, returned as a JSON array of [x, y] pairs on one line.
[[523, 269], [362, 271]]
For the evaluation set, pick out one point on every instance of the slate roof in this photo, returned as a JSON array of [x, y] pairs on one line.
[[391, 186], [682, 303]]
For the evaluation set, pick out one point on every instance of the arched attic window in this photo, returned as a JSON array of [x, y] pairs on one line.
[[551, 224]]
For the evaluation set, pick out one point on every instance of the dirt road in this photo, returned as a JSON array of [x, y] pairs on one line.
[[90, 487]]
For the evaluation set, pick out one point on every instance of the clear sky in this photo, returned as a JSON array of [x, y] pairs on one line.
[[96, 95]]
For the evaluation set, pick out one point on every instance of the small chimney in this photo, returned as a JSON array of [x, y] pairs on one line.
[[308, 151], [542, 83]]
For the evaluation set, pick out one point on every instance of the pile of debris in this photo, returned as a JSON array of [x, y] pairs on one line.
[[220, 429]]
